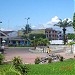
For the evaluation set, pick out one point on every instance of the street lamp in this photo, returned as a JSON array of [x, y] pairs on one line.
[[27, 19]]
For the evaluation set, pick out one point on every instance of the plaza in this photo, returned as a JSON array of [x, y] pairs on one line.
[[28, 57]]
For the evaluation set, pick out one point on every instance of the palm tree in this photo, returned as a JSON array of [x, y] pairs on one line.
[[74, 21], [63, 24], [43, 42], [27, 29]]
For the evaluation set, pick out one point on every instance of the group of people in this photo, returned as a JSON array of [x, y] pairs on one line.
[[48, 50]]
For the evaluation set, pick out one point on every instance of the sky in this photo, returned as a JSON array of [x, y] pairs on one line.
[[42, 13]]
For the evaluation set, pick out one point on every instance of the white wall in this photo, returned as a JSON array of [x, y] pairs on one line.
[[56, 42]]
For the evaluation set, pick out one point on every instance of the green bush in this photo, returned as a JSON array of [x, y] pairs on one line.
[[1, 58], [49, 60], [37, 60], [17, 61]]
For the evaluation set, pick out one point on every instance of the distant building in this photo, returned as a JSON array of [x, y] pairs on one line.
[[52, 34], [15, 37], [60, 35], [38, 31], [13, 34], [20, 33]]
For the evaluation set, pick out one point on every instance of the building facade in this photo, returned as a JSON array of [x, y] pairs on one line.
[[14, 39], [52, 34]]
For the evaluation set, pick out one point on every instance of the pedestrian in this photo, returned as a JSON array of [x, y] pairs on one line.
[[48, 50], [2, 48]]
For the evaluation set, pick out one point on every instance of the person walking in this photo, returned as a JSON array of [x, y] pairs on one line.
[[48, 50], [2, 48]]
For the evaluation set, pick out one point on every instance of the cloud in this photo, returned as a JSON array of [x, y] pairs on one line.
[[33, 26], [68, 19], [50, 24], [53, 21], [39, 26]]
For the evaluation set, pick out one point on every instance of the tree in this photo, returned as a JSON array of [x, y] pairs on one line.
[[40, 42], [63, 24], [71, 36], [71, 43], [43, 42], [37, 36], [27, 29], [74, 21]]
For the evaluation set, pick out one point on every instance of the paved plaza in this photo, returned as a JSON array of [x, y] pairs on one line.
[[29, 57]]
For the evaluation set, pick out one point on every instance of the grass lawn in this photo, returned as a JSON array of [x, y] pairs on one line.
[[57, 68]]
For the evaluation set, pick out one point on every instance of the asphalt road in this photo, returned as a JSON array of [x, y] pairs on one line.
[[17, 49]]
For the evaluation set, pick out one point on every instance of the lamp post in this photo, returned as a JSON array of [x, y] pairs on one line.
[[0, 36], [27, 19]]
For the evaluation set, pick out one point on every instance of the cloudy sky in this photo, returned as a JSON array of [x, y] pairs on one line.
[[42, 13]]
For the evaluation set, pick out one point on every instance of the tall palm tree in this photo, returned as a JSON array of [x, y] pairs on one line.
[[74, 21], [63, 24], [27, 29]]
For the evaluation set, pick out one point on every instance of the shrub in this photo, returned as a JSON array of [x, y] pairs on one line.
[[1, 58], [17, 61], [37, 60], [49, 60], [61, 58]]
